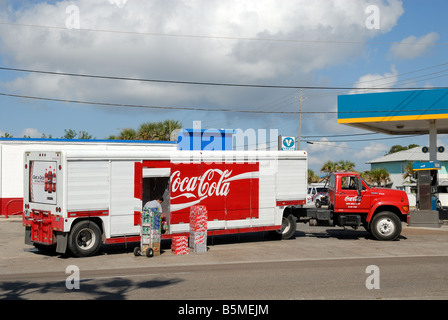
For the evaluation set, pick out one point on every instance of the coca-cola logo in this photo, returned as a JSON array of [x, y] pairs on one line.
[[352, 199], [188, 190], [205, 185]]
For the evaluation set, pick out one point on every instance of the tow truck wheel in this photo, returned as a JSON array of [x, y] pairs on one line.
[[385, 226], [84, 239]]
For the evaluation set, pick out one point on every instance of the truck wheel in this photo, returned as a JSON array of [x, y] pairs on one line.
[[288, 229], [318, 204], [84, 239], [385, 226]]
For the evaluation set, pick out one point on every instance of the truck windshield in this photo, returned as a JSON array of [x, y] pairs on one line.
[[42, 182]]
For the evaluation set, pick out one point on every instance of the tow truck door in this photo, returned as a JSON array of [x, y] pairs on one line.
[[348, 198]]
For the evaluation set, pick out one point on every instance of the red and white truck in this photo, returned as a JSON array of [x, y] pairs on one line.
[[76, 200]]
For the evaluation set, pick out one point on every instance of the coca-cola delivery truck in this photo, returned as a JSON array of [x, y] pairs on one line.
[[77, 200]]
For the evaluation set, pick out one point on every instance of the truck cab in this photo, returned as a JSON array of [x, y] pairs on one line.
[[353, 202]]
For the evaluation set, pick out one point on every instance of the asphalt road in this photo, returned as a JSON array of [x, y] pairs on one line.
[[319, 263]]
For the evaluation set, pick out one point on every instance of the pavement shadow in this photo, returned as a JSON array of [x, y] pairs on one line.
[[105, 289], [342, 234]]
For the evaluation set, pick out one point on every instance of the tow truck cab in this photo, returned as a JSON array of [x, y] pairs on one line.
[[353, 202]]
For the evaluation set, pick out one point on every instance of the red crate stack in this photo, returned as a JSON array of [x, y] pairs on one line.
[[179, 245], [198, 228]]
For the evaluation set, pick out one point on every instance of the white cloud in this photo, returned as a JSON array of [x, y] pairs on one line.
[[387, 80], [208, 57], [31, 132], [413, 47], [371, 151]]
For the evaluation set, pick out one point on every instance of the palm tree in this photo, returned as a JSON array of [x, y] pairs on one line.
[[158, 130], [147, 131], [379, 176], [409, 171], [127, 134], [328, 167], [312, 177], [345, 165]]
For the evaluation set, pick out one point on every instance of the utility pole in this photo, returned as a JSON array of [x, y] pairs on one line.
[[300, 119]]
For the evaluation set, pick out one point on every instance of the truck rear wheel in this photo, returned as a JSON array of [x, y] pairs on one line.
[[288, 229], [385, 226], [84, 239]]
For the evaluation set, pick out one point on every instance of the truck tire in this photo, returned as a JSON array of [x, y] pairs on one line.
[[288, 229], [84, 239], [317, 203], [385, 226]]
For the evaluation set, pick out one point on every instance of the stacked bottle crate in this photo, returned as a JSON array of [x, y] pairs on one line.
[[151, 231], [198, 228]]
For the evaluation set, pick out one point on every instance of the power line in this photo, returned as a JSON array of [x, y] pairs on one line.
[[342, 135], [224, 37], [210, 83], [358, 140], [109, 104]]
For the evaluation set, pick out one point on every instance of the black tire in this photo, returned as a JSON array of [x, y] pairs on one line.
[[137, 251], [149, 252], [84, 239], [317, 203], [385, 226], [288, 229]]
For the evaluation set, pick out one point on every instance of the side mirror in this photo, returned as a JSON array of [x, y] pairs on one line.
[[359, 186]]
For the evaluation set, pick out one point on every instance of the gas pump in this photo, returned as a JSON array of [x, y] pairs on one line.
[[427, 182]]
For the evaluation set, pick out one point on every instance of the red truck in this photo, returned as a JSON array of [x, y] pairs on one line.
[[354, 203]]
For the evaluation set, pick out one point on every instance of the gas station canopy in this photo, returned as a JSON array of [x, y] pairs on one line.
[[396, 113]]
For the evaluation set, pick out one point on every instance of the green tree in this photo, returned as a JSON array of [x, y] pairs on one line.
[[158, 130], [84, 135], [408, 171], [377, 176], [69, 134], [398, 148], [44, 136], [328, 167], [127, 134], [312, 177], [345, 165], [7, 135]]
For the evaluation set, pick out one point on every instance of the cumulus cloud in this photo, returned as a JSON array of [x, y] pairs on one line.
[[413, 47], [31, 132], [199, 40], [371, 81], [372, 150]]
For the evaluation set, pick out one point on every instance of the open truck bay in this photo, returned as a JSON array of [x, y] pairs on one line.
[[76, 200]]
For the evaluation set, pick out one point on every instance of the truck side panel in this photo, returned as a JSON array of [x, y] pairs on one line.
[[87, 186], [122, 201]]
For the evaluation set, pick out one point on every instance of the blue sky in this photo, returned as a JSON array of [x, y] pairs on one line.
[[324, 43]]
